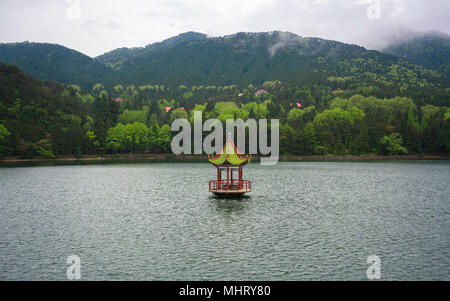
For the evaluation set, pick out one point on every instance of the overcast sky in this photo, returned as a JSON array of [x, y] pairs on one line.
[[97, 26]]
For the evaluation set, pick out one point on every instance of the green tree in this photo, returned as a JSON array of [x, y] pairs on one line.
[[286, 139], [393, 144], [163, 139], [310, 141], [130, 117], [97, 88], [117, 139], [3, 134], [139, 134], [337, 128], [178, 114], [118, 89], [43, 148], [295, 118], [92, 141]]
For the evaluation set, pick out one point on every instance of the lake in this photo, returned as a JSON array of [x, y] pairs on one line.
[[157, 221]]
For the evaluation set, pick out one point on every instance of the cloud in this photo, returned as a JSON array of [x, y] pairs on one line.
[[284, 39], [96, 25], [107, 24]]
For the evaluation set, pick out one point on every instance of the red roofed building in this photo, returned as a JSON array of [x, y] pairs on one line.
[[337, 92], [119, 100]]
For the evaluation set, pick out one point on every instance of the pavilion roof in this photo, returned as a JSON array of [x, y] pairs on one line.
[[229, 156]]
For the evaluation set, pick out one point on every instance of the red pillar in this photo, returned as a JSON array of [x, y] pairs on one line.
[[228, 177], [219, 177], [240, 177]]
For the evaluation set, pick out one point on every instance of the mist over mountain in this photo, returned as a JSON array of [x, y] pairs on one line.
[[252, 58], [244, 58], [431, 50]]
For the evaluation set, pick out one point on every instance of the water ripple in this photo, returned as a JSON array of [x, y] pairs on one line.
[[303, 221]]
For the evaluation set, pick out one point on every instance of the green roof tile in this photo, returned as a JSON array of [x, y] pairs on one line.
[[229, 155]]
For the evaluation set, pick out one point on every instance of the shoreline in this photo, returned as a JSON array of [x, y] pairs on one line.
[[204, 158]]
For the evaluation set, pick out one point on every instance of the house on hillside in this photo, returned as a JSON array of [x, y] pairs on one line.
[[260, 93], [337, 92]]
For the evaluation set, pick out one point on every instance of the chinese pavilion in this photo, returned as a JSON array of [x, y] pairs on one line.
[[230, 162]]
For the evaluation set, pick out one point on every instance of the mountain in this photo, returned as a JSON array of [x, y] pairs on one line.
[[241, 59], [54, 62], [117, 57], [430, 50], [253, 58]]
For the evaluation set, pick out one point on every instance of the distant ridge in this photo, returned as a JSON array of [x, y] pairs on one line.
[[192, 58], [118, 56], [430, 50]]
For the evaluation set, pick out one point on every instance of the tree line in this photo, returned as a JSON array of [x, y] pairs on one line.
[[47, 120]]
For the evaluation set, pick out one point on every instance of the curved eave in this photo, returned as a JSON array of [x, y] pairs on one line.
[[229, 156], [230, 160]]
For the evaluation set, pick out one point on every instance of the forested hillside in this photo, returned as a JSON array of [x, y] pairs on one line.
[[117, 57], [54, 62], [330, 97], [48, 119], [431, 50], [45, 120], [240, 59], [253, 58]]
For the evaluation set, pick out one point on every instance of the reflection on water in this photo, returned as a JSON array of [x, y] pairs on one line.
[[231, 205], [157, 221]]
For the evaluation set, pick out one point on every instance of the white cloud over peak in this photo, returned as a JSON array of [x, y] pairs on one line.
[[104, 25]]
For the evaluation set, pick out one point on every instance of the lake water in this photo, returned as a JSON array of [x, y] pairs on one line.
[[157, 221]]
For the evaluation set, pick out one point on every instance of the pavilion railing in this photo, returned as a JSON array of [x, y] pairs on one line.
[[230, 185]]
